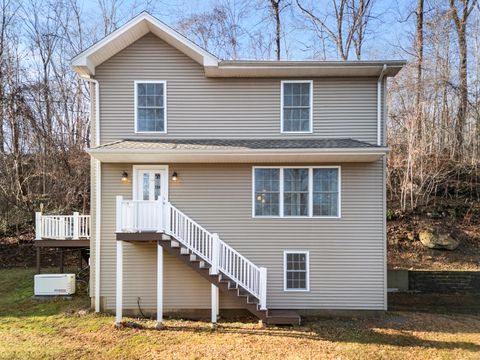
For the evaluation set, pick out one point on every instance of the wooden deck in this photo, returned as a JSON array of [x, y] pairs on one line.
[[82, 243]]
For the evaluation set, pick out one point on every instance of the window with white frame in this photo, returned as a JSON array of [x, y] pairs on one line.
[[296, 191], [150, 106], [296, 270], [296, 112]]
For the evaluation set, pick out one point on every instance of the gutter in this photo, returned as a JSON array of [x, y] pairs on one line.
[[98, 202], [379, 105]]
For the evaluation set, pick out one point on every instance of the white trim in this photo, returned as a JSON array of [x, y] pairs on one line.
[[384, 232], [170, 35], [310, 131], [215, 303], [135, 86], [135, 180], [159, 284], [310, 192], [307, 269], [119, 284], [148, 156], [98, 216], [379, 105]]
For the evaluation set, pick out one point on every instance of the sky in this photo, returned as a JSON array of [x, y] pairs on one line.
[[390, 33]]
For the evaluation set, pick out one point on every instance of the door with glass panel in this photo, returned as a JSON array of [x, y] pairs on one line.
[[149, 185]]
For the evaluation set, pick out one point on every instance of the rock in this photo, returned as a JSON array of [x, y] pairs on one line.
[[437, 239], [410, 235]]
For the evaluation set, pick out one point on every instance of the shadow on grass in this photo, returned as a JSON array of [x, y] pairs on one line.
[[347, 334]]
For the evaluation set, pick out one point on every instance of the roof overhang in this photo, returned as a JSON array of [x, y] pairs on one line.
[[84, 63], [287, 69], [239, 156]]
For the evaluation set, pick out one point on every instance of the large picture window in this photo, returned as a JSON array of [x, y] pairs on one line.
[[150, 106], [296, 191], [296, 106]]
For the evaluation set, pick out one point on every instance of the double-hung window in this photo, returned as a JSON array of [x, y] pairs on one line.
[[296, 191], [150, 106], [296, 271], [297, 109]]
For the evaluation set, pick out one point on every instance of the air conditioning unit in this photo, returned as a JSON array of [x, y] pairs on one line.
[[54, 284]]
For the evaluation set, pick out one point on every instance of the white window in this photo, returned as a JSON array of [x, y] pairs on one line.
[[150, 106], [297, 108], [296, 271], [297, 191]]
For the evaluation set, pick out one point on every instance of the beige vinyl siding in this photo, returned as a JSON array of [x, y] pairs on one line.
[[219, 108], [346, 255]]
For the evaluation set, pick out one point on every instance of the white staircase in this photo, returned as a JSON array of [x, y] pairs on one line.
[[199, 244]]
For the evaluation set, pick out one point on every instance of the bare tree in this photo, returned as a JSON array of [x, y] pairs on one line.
[[460, 18], [419, 66], [275, 7], [351, 19]]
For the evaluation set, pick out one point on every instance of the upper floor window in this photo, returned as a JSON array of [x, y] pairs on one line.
[[297, 109], [296, 191], [150, 106]]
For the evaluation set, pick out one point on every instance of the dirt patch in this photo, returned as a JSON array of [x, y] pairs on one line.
[[405, 251]]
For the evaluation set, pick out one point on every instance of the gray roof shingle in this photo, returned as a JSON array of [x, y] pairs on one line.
[[234, 144]]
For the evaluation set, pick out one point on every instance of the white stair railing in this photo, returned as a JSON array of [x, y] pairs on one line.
[[162, 216], [62, 227]]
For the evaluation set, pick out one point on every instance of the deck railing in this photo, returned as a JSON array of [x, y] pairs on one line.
[[161, 216], [62, 227]]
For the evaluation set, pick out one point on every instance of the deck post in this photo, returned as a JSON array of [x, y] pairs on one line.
[[118, 214], [76, 225], [38, 259], [159, 285], [263, 288], [38, 225], [159, 214], [80, 260], [119, 285], [167, 222], [61, 261], [215, 254], [215, 304]]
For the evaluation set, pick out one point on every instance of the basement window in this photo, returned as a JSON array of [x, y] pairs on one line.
[[296, 270]]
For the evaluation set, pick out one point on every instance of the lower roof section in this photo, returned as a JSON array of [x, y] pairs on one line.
[[238, 151]]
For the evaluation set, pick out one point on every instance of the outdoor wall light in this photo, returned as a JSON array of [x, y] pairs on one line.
[[124, 177], [174, 176]]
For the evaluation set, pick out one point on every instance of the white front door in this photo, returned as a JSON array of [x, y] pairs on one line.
[[150, 182]]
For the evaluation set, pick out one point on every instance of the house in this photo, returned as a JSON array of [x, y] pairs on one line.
[[223, 185]]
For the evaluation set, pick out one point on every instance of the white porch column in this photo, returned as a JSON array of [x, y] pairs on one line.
[[119, 284], [215, 304], [159, 285]]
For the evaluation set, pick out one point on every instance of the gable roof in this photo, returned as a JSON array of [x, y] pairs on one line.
[[86, 62]]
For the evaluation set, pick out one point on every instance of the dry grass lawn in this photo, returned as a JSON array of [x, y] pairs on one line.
[[60, 329]]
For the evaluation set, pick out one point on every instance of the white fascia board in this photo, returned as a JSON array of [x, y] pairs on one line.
[[254, 156]]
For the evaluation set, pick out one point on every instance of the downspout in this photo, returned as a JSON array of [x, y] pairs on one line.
[[98, 194], [379, 105], [384, 194]]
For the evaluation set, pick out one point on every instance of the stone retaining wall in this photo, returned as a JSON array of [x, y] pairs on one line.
[[440, 282]]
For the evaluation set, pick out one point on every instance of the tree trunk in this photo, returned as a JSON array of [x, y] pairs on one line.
[[276, 14], [419, 65]]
